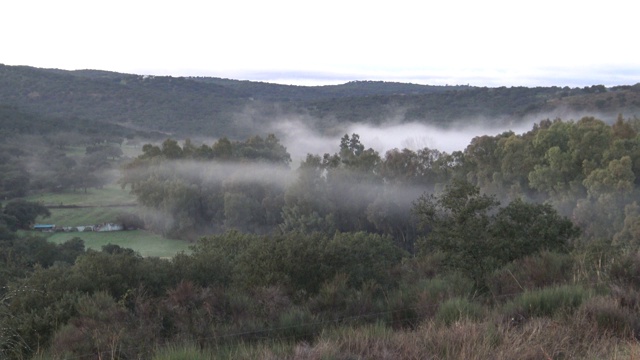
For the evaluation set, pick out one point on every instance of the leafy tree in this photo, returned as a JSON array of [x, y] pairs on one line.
[[478, 237], [390, 214], [484, 156], [114, 270], [307, 205], [171, 149], [458, 224], [212, 258], [601, 214], [222, 149], [24, 213], [428, 168], [521, 229], [629, 236]]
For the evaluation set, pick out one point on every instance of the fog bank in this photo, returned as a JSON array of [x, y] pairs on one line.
[[301, 140]]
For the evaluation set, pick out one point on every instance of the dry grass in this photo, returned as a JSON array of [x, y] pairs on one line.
[[538, 339], [541, 338]]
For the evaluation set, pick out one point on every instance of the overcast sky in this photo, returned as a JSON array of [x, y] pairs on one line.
[[482, 43]]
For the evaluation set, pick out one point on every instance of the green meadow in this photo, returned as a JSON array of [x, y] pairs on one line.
[[110, 195], [99, 206], [144, 242]]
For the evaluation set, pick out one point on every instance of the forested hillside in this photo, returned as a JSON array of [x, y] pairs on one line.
[[216, 107]]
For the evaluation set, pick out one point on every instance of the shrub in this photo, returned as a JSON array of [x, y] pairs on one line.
[[626, 270], [182, 352], [609, 316], [306, 262], [297, 324], [425, 266], [529, 273], [271, 302], [433, 292], [101, 328], [401, 310], [627, 297], [458, 309], [546, 302], [478, 237]]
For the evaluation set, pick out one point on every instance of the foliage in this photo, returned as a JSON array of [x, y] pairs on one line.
[[609, 315], [181, 352], [21, 214], [458, 309], [529, 273], [197, 190], [143, 242], [100, 327], [97, 101], [550, 301], [295, 260], [477, 237], [625, 270]]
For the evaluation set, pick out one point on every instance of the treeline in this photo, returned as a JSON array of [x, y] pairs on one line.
[[201, 189], [57, 162], [585, 169]]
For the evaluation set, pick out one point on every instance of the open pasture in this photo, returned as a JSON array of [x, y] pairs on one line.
[[98, 206], [110, 195], [144, 242]]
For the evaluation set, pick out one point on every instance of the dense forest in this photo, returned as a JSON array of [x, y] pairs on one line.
[[521, 245]]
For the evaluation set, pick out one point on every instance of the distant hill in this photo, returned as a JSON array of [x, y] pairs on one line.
[[277, 92], [215, 107]]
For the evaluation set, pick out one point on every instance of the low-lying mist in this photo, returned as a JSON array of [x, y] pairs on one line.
[[301, 140]]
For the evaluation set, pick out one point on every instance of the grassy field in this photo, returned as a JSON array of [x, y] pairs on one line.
[[144, 242], [107, 196], [99, 206], [85, 216]]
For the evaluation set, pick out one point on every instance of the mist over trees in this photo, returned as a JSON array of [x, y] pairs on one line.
[[195, 190], [32, 164], [352, 253], [584, 169]]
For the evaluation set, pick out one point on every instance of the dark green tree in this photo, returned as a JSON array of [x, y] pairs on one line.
[[477, 236], [24, 212]]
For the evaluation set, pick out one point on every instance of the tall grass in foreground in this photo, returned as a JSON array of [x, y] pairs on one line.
[[571, 325], [580, 332], [591, 330], [182, 352], [549, 301], [540, 338]]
